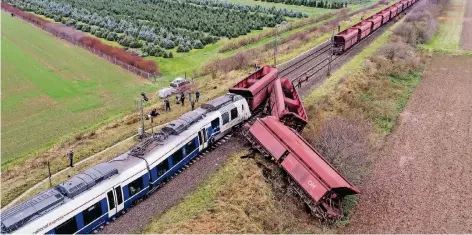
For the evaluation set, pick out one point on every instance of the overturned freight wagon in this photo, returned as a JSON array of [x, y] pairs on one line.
[[316, 181], [286, 105], [255, 88]]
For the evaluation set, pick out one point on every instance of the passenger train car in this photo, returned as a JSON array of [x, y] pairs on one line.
[[89, 199]]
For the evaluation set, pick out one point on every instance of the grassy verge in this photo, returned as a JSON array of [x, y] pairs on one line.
[[236, 199], [447, 39]]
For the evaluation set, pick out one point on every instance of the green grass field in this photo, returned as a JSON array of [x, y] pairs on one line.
[[52, 90], [448, 36]]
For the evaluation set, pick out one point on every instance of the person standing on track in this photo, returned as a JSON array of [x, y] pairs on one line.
[[299, 82], [70, 155]]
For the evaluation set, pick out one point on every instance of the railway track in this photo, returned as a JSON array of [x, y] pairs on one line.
[[311, 66]]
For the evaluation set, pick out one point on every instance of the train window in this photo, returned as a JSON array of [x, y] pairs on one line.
[[177, 156], [119, 196], [225, 117], [163, 167], [234, 113], [135, 186], [92, 213], [111, 200], [215, 123], [68, 227], [190, 146]]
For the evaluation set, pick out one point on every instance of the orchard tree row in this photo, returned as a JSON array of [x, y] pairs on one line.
[[329, 4], [157, 25]]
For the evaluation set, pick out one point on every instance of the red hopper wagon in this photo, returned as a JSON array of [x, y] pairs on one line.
[[316, 181], [385, 16], [286, 105], [399, 7], [345, 40], [393, 11], [376, 21], [255, 87], [364, 28]]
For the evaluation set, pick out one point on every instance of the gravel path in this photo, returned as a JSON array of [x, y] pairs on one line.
[[175, 190], [466, 38], [422, 180]]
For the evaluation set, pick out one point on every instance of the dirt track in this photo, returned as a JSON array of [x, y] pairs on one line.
[[421, 182], [466, 38]]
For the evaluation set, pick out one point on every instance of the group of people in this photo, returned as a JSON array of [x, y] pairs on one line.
[[180, 99]]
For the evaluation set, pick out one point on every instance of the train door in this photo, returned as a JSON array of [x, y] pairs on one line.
[[202, 139], [115, 201]]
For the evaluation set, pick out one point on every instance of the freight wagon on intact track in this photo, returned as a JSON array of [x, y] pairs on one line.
[[349, 37]]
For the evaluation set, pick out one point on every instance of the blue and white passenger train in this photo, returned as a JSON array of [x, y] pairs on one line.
[[89, 199]]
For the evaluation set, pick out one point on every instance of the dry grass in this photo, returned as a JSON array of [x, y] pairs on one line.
[[237, 199]]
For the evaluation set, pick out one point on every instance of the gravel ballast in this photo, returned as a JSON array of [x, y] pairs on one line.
[[175, 190]]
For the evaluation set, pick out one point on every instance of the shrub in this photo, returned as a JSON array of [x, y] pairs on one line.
[[345, 143]]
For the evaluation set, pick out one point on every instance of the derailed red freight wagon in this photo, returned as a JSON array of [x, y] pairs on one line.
[[286, 105], [255, 87], [320, 185], [364, 28], [345, 40]]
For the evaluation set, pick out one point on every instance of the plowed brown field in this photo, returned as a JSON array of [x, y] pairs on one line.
[[421, 182]]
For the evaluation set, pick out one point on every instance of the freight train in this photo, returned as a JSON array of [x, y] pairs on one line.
[[88, 200], [349, 37]]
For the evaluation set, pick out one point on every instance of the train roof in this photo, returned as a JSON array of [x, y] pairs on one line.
[[33, 208]]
